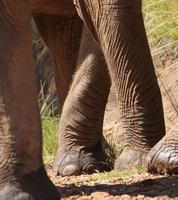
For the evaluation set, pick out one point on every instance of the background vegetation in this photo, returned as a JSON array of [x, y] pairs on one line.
[[161, 22]]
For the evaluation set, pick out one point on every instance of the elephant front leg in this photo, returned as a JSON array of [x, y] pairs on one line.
[[163, 157], [118, 27], [22, 174], [80, 131]]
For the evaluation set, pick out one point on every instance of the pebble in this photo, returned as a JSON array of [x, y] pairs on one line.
[[125, 197], [85, 198], [99, 195], [140, 197]]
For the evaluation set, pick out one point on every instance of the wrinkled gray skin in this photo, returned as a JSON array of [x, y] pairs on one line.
[[113, 36]]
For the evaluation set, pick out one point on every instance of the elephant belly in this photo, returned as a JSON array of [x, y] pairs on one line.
[[53, 7]]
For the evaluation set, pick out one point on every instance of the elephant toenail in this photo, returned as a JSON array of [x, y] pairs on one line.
[[71, 170], [89, 169], [161, 169]]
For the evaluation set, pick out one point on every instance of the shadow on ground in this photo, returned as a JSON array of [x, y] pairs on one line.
[[166, 186]]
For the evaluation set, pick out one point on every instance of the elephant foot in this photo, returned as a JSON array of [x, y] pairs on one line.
[[130, 158], [35, 186], [163, 157], [83, 160]]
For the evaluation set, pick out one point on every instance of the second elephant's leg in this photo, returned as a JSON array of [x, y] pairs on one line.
[[118, 27], [163, 157], [22, 173], [80, 132], [62, 35]]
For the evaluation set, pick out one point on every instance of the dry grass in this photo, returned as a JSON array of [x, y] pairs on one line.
[[161, 24]]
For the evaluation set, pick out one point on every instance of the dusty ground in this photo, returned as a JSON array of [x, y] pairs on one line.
[[137, 186]]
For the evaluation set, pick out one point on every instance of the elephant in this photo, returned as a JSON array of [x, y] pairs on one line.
[[93, 42]]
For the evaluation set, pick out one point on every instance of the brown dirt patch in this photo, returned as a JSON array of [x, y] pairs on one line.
[[139, 186]]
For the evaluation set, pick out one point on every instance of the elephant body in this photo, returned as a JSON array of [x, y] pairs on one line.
[[92, 43]]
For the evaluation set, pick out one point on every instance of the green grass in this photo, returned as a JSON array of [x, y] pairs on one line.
[[161, 22], [50, 125], [100, 177], [126, 174]]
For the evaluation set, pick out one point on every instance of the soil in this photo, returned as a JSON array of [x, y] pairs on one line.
[[140, 186]]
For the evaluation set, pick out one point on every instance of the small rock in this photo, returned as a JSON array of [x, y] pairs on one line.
[[85, 198], [148, 198], [99, 195], [140, 197], [109, 197], [161, 198], [125, 197]]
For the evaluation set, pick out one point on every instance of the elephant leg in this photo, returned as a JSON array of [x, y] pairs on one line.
[[118, 27], [22, 174], [62, 35], [80, 131], [163, 157]]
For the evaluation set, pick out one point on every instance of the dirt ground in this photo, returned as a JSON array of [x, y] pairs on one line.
[[139, 186]]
